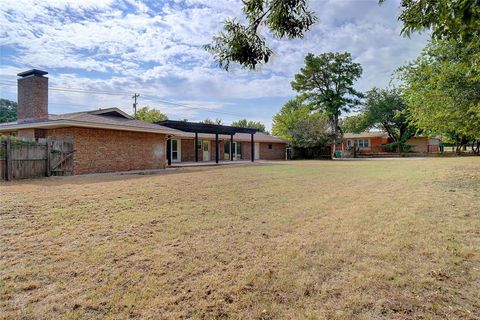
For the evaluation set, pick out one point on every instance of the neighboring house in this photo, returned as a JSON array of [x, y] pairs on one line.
[[365, 140], [109, 140], [373, 142]]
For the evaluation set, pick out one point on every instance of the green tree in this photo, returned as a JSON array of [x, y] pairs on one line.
[[210, 121], [244, 123], [311, 131], [8, 110], [150, 115], [300, 126], [447, 19], [243, 43], [353, 123], [326, 83], [442, 91], [385, 109], [286, 118]]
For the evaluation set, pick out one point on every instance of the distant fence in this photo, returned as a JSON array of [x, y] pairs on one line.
[[24, 159], [322, 152]]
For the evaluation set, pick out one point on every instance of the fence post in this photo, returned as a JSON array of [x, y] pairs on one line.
[[8, 159], [48, 166]]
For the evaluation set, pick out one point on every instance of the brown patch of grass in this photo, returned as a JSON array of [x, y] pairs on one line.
[[392, 239]]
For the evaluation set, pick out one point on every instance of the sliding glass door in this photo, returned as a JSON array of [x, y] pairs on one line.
[[236, 150]]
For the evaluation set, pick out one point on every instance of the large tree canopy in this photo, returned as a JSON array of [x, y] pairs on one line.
[[352, 123], [8, 110], [386, 110], [326, 83], [448, 19], [150, 115], [244, 123], [303, 128], [243, 43], [442, 91]]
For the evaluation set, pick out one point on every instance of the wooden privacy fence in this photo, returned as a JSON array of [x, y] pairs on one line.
[[24, 159]]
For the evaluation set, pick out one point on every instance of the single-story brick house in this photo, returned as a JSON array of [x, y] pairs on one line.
[[373, 142], [109, 140]]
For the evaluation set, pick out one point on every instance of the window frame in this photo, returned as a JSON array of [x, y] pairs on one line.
[[177, 150], [363, 143]]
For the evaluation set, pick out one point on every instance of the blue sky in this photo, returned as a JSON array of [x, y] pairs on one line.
[[155, 48]]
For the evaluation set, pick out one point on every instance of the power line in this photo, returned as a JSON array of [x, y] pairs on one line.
[[152, 98], [182, 105]]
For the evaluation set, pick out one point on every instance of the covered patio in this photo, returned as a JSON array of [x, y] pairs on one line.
[[203, 128]]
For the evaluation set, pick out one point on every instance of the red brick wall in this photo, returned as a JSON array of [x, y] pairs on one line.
[[276, 153], [101, 150], [61, 134], [188, 150], [32, 99], [378, 141]]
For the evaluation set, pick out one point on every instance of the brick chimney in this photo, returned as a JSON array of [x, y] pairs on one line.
[[32, 96]]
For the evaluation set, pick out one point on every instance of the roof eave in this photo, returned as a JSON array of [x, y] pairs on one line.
[[73, 123]]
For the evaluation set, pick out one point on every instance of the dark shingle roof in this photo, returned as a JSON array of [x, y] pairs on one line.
[[102, 117]]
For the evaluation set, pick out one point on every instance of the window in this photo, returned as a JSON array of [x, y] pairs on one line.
[[359, 143], [270, 146], [199, 144], [362, 143]]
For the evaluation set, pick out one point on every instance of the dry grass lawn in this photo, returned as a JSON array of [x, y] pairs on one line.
[[393, 239]]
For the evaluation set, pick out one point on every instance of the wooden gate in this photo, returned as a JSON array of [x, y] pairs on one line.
[[24, 159], [61, 157]]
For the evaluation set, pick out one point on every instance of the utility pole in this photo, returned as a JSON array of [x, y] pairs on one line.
[[135, 96]]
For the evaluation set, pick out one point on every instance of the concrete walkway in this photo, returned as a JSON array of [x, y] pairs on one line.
[[211, 163]]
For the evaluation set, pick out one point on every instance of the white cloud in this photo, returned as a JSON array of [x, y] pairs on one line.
[[156, 49]]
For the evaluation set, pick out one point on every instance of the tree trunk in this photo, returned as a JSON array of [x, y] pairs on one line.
[[476, 147], [462, 144], [334, 132]]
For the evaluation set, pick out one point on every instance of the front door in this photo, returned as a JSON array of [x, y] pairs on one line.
[[238, 151], [257, 151], [206, 150]]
